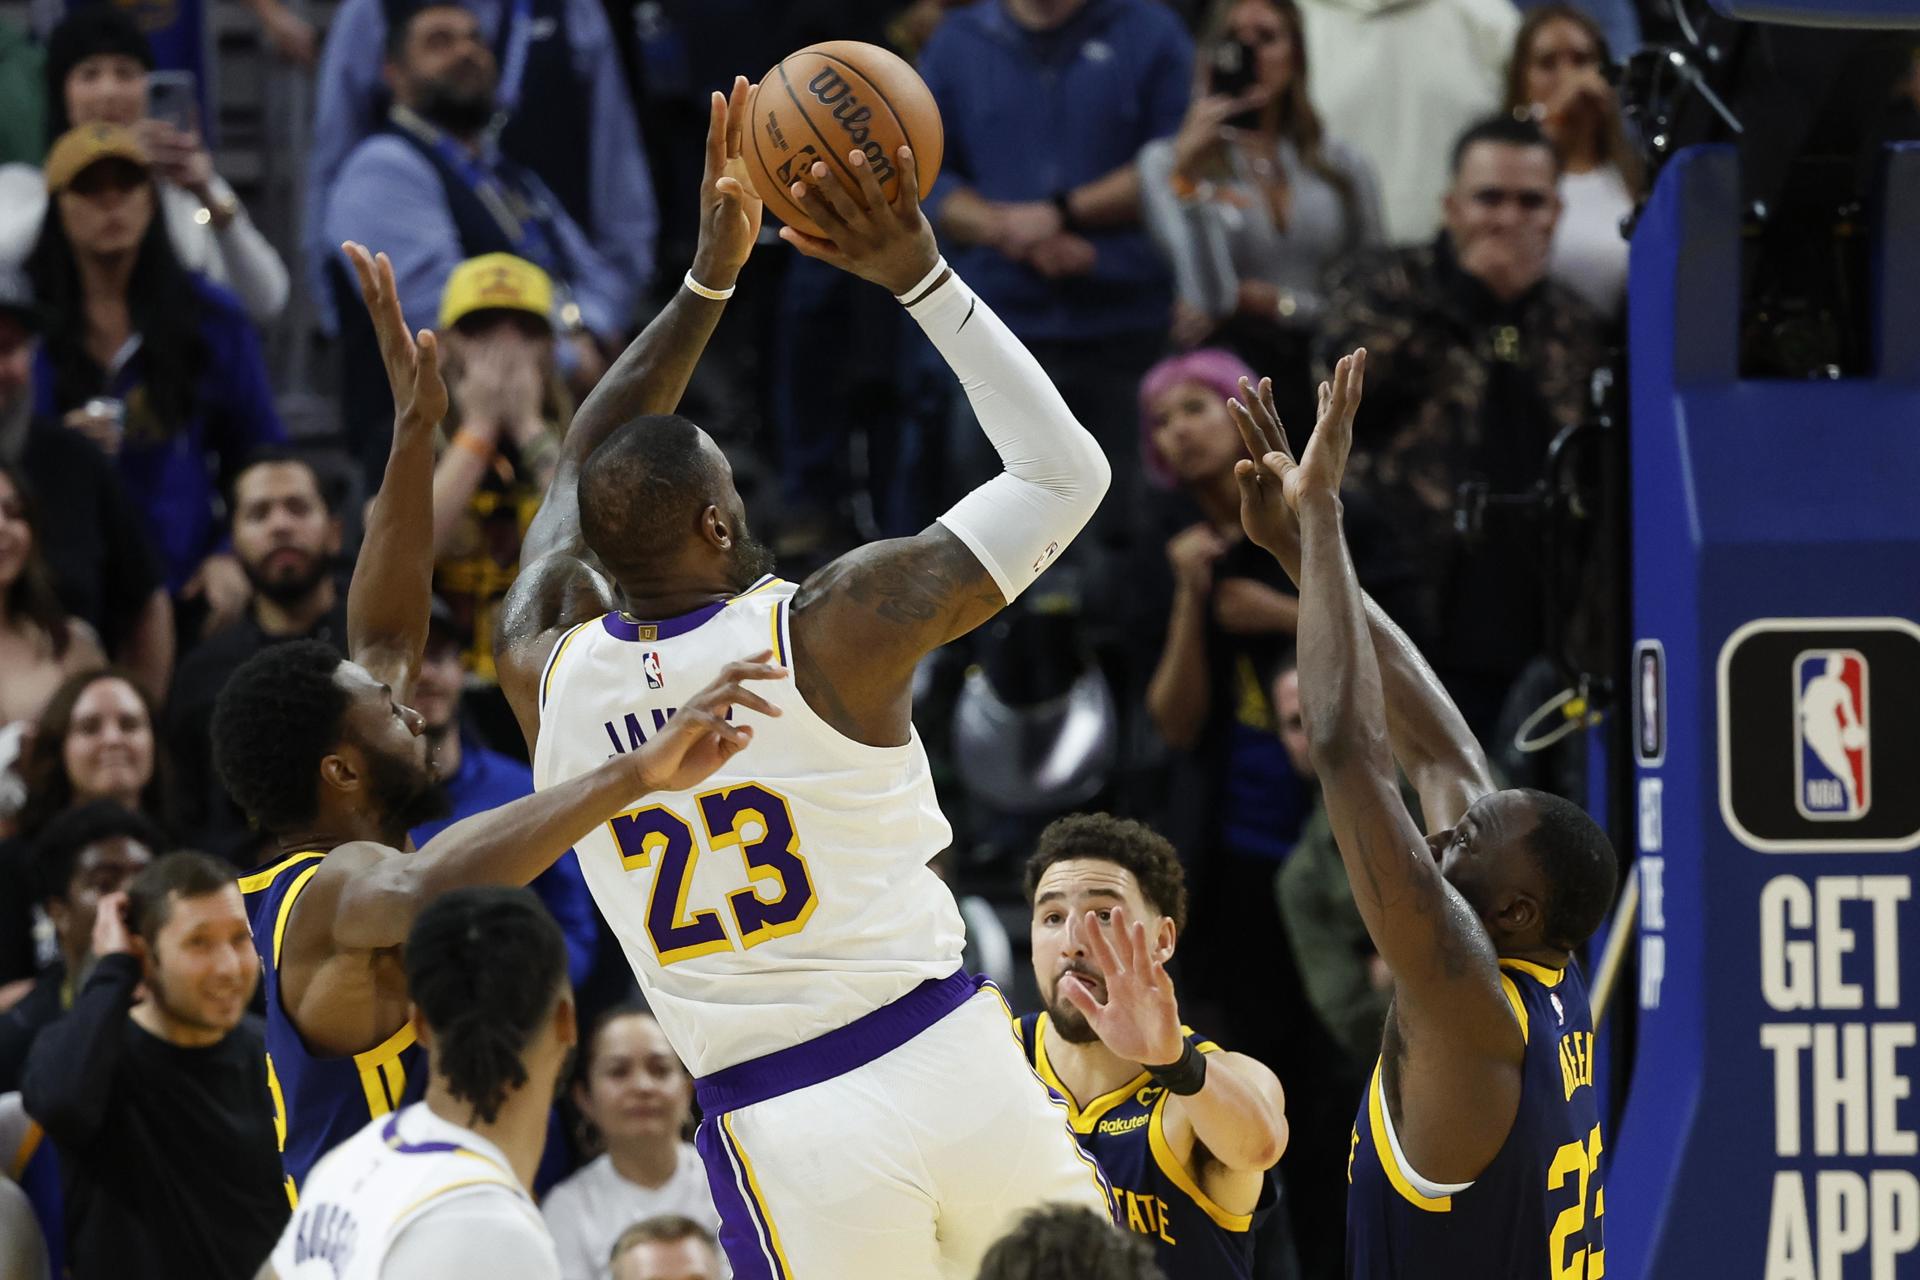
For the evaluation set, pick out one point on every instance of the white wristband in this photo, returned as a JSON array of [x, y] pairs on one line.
[[717, 295], [919, 290]]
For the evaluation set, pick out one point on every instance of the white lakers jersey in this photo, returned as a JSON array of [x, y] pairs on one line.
[[412, 1169], [790, 893]]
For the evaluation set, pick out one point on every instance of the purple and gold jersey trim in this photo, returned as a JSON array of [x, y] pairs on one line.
[[822, 1058], [553, 663], [645, 631]]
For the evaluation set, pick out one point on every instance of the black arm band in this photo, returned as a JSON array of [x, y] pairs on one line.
[[1184, 1078]]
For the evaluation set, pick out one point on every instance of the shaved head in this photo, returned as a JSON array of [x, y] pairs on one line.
[[645, 495]]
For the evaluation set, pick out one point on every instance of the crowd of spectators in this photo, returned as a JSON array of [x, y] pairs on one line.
[[1161, 200]]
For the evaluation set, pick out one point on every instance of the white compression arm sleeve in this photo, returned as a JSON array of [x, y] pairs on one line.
[[1019, 521]]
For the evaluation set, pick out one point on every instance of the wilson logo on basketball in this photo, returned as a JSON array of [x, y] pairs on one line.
[[830, 89]]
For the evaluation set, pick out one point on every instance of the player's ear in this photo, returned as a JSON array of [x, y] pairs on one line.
[[713, 524], [341, 770], [1165, 938], [566, 1021], [1519, 915]]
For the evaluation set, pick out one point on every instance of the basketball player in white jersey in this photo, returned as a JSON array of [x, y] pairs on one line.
[[439, 1190], [868, 1111]]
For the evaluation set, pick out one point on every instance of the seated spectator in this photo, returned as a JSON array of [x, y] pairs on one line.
[[509, 412], [434, 189], [286, 538], [40, 643], [82, 856], [668, 1247], [96, 545], [1617, 21], [95, 741], [1252, 202], [1476, 360], [1046, 105], [97, 65], [1062, 1243], [160, 1110], [1399, 82], [473, 779], [568, 117], [638, 1098], [1556, 79], [158, 367]]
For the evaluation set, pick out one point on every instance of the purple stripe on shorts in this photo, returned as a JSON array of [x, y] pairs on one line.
[[743, 1232], [837, 1052]]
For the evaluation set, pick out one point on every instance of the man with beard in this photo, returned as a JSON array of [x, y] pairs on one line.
[[434, 187], [809, 973], [324, 756], [159, 1106], [472, 778], [1186, 1132], [286, 538]]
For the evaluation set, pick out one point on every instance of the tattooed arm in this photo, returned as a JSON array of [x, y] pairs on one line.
[[862, 623]]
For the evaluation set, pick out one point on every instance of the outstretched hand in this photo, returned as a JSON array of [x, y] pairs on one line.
[[413, 361], [1270, 523], [1274, 473], [889, 244], [699, 737], [1140, 1020], [730, 210]]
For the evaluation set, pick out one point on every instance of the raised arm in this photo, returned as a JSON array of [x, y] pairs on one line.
[[376, 892], [1430, 737], [861, 624], [391, 592], [559, 584], [1446, 975]]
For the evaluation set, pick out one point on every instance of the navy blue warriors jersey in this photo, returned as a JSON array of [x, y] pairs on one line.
[[1536, 1212], [1153, 1194], [318, 1102]]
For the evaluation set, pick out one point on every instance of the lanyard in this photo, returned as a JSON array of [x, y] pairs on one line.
[[522, 217], [513, 60]]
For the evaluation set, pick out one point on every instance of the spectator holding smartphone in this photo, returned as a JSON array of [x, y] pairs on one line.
[[1251, 201], [99, 69], [156, 365]]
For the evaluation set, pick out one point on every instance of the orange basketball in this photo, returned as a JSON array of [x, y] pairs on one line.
[[828, 100]]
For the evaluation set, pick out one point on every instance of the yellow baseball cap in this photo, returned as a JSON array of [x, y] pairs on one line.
[[86, 145], [495, 280]]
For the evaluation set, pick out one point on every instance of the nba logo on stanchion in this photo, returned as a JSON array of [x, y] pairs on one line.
[[1831, 735]]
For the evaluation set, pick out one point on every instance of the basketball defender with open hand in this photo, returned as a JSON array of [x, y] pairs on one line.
[[868, 1112], [1476, 1155]]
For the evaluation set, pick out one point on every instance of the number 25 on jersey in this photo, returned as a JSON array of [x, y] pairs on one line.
[[777, 899]]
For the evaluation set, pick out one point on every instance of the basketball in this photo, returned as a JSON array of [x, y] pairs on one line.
[[827, 100]]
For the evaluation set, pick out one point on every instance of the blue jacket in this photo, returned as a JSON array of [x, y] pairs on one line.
[[486, 780], [350, 105], [1029, 114], [167, 473]]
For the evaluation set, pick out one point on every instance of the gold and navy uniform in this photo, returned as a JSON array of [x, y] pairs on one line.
[[318, 1102], [1536, 1212], [1153, 1194]]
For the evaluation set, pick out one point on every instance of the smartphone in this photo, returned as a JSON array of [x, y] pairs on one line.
[[1234, 72], [174, 96]]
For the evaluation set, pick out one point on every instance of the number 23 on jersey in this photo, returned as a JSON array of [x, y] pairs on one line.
[[778, 897]]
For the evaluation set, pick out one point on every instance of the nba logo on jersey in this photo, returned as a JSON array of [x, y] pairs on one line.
[[650, 664], [1831, 735]]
